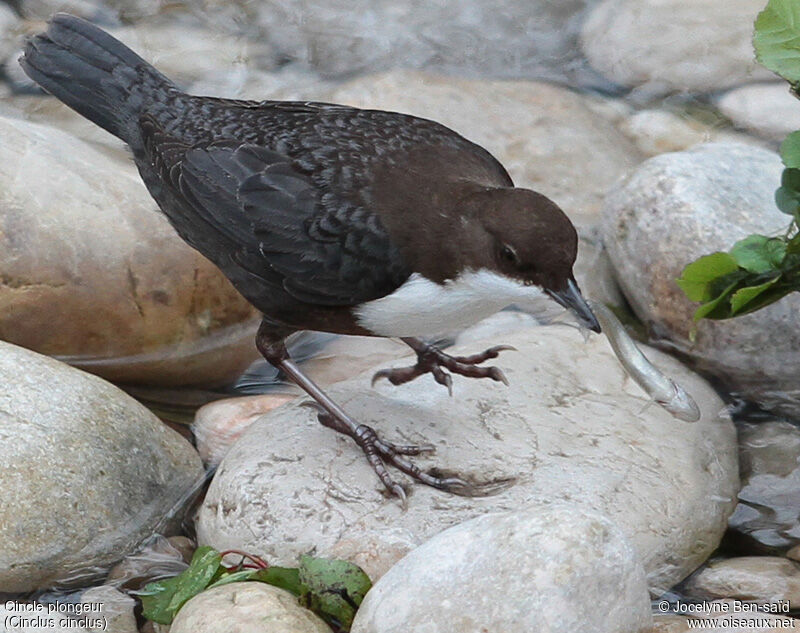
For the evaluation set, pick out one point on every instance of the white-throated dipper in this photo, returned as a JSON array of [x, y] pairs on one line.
[[327, 217]]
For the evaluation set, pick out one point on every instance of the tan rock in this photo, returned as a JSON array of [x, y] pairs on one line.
[[669, 624], [219, 424], [246, 607], [761, 579], [744, 623], [115, 613], [547, 137], [659, 131], [90, 272]]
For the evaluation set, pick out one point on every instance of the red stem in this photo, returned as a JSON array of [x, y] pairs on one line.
[[260, 563]]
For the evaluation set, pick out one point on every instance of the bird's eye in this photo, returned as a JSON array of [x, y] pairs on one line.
[[508, 254]]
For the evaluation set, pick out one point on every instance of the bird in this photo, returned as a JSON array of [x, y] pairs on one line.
[[328, 217]]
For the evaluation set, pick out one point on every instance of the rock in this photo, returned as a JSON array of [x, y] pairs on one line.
[[761, 579], [47, 110], [288, 83], [184, 546], [543, 568], [669, 624], [768, 110], [794, 553], [672, 45], [769, 501], [90, 272], [246, 607], [217, 425], [725, 623], [659, 131], [546, 136], [154, 627], [115, 609], [9, 26], [18, 617], [82, 461], [159, 558], [498, 38], [186, 53], [41, 10], [674, 209], [570, 427]]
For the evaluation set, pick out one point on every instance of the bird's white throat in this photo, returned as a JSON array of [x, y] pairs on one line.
[[421, 307]]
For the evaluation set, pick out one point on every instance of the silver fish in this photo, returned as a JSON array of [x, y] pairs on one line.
[[665, 391]]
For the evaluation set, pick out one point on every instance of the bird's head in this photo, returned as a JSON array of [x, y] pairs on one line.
[[531, 240]]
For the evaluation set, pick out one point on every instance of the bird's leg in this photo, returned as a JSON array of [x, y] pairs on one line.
[[270, 342], [433, 360]]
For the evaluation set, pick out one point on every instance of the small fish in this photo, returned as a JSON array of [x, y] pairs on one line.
[[666, 392]]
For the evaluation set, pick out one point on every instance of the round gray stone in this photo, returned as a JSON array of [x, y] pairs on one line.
[[88, 472], [543, 568], [672, 210]]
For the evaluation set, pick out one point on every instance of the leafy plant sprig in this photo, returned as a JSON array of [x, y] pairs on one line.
[[333, 589], [759, 269]]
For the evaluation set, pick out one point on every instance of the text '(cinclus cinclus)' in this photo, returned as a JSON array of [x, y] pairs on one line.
[[327, 217]]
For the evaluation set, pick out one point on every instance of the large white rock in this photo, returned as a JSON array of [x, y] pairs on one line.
[[501, 38], [88, 472], [695, 45], [91, 272], [571, 426], [549, 138], [676, 208], [246, 607], [543, 568], [769, 109]]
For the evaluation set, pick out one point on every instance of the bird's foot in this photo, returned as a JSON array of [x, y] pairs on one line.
[[381, 453], [432, 360]]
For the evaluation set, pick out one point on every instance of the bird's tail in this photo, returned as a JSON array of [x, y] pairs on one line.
[[93, 73]]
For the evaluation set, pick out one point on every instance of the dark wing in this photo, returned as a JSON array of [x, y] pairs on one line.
[[273, 222]]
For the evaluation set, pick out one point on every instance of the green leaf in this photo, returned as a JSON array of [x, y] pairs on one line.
[[335, 588], [787, 201], [790, 150], [156, 596], [162, 600], [236, 576], [777, 38], [287, 578], [745, 296], [759, 253], [697, 278], [717, 308]]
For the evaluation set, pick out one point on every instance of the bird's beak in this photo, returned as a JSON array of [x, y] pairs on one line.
[[572, 299]]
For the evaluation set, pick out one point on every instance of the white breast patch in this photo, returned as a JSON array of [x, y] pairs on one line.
[[421, 307]]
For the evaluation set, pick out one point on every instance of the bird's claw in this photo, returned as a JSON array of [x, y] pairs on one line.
[[379, 453], [434, 361]]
